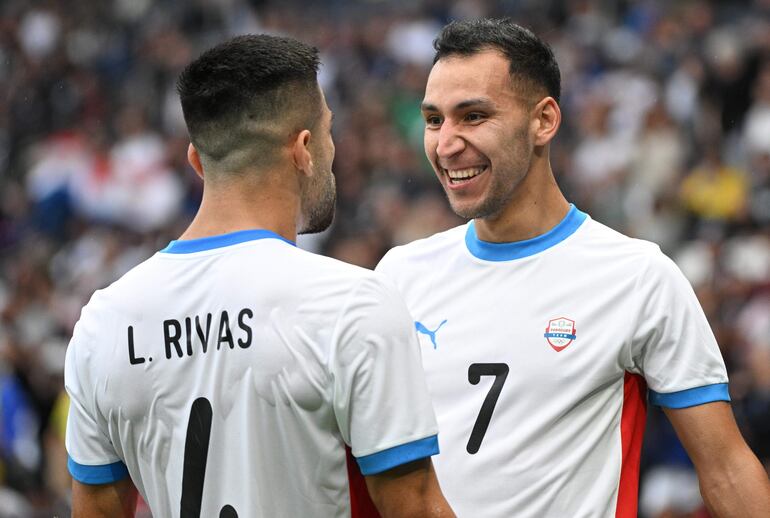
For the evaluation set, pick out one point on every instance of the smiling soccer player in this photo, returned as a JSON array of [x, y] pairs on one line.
[[557, 328]]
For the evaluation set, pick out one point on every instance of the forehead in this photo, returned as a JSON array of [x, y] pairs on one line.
[[323, 98], [481, 75], [325, 110]]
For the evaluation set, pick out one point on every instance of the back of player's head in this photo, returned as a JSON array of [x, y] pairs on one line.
[[532, 63], [243, 98]]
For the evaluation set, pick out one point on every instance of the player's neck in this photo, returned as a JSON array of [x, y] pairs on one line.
[[226, 209], [537, 206]]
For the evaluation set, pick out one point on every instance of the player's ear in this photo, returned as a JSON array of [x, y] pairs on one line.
[[546, 118], [301, 157], [195, 160]]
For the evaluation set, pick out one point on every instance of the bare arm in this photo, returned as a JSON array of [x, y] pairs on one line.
[[410, 490], [114, 500], [732, 481]]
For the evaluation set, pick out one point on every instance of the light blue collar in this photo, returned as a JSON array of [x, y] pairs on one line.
[[518, 249], [188, 246]]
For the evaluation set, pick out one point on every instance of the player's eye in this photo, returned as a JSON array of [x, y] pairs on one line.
[[474, 117], [432, 121]]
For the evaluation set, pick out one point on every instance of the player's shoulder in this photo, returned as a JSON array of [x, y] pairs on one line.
[[329, 268], [426, 249], [138, 284], [606, 245], [338, 283], [608, 240]]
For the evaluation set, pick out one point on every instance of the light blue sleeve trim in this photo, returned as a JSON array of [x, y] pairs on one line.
[[100, 474], [691, 397], [398, 455]]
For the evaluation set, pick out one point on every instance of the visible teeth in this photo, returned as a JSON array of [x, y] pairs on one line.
[[460, 174]]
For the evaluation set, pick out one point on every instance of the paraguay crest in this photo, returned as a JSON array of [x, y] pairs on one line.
[[560, 333]]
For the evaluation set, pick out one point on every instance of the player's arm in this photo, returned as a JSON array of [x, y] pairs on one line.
[[101, 485], [732, 480], [409, 490], [382, 403], [117, 499]]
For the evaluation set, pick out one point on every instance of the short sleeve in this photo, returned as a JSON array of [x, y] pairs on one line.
[[389, 265], [673, 345], [91, 456], [380, 396]]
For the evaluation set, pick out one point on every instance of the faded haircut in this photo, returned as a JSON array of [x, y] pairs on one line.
[[243, 98]]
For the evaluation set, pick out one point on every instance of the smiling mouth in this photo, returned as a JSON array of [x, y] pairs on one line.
[[458, 176]]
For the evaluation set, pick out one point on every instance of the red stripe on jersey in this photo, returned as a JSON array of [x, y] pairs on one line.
[[631, 433], [361, 505]]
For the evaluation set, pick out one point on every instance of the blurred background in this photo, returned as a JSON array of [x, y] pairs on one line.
[[665, 136]]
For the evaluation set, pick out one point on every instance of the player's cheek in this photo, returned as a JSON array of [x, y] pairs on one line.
[[430, 143]]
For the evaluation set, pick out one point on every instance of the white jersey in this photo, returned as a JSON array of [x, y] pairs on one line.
[[538, 356], [230, 374]]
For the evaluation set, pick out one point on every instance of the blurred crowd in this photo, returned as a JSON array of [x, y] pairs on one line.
[[665, 136]]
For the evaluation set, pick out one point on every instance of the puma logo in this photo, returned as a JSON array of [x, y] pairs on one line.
[[431, 334]]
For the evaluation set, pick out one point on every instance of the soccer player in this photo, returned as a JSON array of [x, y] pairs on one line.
[[227, 374], [544, 332]]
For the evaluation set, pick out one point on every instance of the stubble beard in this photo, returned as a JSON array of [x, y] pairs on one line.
[[502, 186], [497, 197], [321, 201]]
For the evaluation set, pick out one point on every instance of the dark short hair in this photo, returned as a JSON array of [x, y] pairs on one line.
[[531, 59], [235, 91]]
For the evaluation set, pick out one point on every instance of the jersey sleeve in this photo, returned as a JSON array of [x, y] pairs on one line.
[[673, 345], [381, 399], [91, 458], [388, 265]]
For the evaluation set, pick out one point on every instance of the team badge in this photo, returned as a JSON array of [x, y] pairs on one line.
[[560, 333]]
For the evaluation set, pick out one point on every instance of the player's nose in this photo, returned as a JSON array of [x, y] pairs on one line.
[[450, 143]]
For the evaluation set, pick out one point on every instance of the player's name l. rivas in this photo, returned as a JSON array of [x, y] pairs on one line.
[[191, 335]]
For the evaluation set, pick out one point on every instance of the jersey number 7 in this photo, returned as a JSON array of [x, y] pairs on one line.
[[475, 372]]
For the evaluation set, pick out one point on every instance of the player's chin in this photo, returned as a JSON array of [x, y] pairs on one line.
[[467, 208], [469, 203]]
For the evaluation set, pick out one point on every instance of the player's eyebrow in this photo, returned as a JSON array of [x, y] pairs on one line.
[[480, 102]]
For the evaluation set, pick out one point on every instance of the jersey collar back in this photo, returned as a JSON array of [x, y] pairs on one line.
[[518, 249], [188, 246]]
